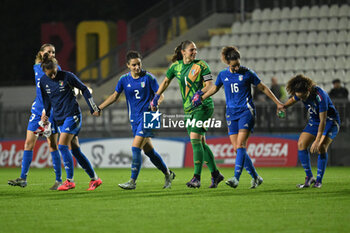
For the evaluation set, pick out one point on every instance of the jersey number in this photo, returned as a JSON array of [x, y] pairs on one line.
[[234, 87], [137, 92]]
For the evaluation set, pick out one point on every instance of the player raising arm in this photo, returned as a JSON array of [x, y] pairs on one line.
[[194, 78], [139, 87], [56, 89], [240, 109], [321, 129]]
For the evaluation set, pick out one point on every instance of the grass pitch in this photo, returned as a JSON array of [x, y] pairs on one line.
[[276, 206]]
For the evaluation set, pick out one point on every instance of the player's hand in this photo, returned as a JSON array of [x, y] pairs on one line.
[[196, 99], [44, 120], [315, 147], [97, 114], [154, 102]]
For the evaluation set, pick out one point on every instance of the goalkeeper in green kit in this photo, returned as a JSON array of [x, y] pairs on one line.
[[194, 78]]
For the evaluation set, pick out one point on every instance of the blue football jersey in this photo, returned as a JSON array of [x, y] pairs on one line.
[[238, 91], [58, 93], [138, 92], [38, 106], [319, 101]]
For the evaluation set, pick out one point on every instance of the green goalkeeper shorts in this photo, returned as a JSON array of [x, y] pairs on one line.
[[193, 120]]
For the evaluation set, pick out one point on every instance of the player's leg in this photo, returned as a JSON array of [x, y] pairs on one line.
[[64, 141], [29, 144], [198, 152], [157, 160], [305, 140], [56, 159]]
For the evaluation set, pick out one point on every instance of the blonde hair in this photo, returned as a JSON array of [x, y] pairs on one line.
[[39, 57]]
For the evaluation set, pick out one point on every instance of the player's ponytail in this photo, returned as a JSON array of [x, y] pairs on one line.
[[48, 63], [177, 52]]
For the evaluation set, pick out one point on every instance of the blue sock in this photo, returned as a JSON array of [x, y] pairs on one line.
[[321, 166], [136, 162], [239, 162], [56, 163], [248, 165], [67, 160], [157, 160], [26, 161], [83, 162], [304, 158]]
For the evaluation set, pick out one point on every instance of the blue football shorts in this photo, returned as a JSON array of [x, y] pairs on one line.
[[33, 123], [71, 125], [331, 130], [139, 130], [247, 121]]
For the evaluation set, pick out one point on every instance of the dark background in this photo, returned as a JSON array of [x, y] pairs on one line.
[[20, 28]]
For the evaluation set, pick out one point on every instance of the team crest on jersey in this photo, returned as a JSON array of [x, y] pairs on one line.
[[318, 98], [193, 71], [60, 83], [142, 84], [240, 78]]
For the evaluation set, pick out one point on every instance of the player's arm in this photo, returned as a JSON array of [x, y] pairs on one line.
[[47, 105], [266, 90], [315, 147], [211, 91], [159, 94], [75, 82], [110, 100], [163, 86], [291, 101]]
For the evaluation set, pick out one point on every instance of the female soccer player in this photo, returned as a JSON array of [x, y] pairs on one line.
[[240, 109], [33, 127], [56, 89], [194, 78], [321, 129], [139, 87]]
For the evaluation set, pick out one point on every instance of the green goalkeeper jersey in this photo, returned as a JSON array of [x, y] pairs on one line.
[[191, 78]]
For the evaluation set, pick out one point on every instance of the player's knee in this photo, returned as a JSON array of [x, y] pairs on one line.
[[28, 145], [302, 145], [323, 149], [52, 145]]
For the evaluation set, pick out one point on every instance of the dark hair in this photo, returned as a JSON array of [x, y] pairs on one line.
[[39, 58], [230, 53], [132, 55], [48, 63], [177, 51], [336, 81], [299, 83]]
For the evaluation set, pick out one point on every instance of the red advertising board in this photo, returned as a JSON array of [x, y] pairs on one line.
[[264, 152], [11, 154]]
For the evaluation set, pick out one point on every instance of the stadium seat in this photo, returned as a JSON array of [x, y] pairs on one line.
[[341, 75], [255, 27], [262, 39], [289, 64], [234, 39], [319, 77], [330, 63], [340, 63], [215, 41], [261, 51], [314, 11], [256, 15], [341, 50], [293, 25], [259, 66], [279, 65], [203, 53], [310, 64], [299, 65], [343, 24], [333, 11], [313, 25], [303, 24], [285, 13], [224, 40], [311, 38], [302, 38], [280, 51], [284, 25], [275, 14], [344, 11], [321, 50], [269, 65], [282, 38], [291, 51], [264, 27], [236, 28], [253, 39], [310, 51], [331, 49], [324, 11], [322, 24], [274, 27], [342, 36], [322, 37], [320, 63], [301, 50], [348, 50], [332, 37], [332, 24], [294, 12], [272, 39], [246, 27], [244, 40], [266, 14], [304, 12], [250, 52], [292, 38]]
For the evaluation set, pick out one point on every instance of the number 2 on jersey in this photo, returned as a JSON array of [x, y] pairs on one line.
[[234, 87], [137, 92]]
